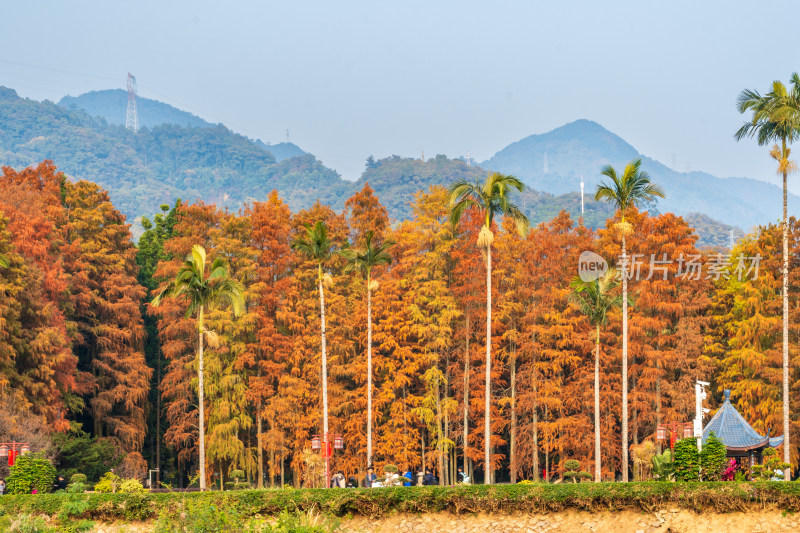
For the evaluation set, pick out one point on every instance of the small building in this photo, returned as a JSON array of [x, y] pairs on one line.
[[743, 442]]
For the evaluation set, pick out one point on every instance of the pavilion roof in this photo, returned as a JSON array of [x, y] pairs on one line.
[[735, 432]]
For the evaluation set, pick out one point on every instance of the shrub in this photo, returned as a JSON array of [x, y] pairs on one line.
[[110, 482], [663, 466], [131, 486], [237, 475], [391, 469], [687, 461], [79, 452], [572, 467], [30, 471], [771, 467], [712, 458], [77, 478], [309, 522], [30, 524]]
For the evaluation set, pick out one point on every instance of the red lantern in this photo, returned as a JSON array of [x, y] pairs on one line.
[[338, 442], [687, 432], [661, 433], [3, 452], [315, 443]]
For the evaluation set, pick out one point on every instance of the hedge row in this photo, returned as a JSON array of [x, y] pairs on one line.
[[719, 497]]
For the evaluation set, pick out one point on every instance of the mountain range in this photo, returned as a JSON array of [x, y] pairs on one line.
[[177, 154]]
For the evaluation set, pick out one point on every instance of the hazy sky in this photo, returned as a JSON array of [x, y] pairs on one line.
[[350, 79]]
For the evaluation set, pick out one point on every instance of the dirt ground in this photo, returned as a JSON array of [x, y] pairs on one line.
[[665, 521]]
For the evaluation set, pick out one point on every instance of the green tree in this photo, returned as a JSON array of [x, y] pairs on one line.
[[686, 461], [364, 260], [317, 246], [203, 292], [491, 198], [775, 118], [713, 458], [630, 189], [31, 471], [596, 299]]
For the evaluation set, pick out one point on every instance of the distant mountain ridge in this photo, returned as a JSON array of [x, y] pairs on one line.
[[555, 161], [112, 105], [210, 162]]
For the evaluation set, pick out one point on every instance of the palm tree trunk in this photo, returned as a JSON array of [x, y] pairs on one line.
[[597, 471], [324, 371], [624, 361], [786, 449], [466, 397], [200, 394], [369, 372], [487, 477]]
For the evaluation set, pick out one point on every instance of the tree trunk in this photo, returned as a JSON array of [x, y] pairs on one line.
[[200, 394], [512, 451], [487, 476], [597, 470], [466, 396], [158, 418], [369, 372], [786, 445], [439, 435], [324, 370], [260, 444], [624, 361]]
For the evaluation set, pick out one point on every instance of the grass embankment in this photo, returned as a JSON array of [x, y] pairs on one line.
[[535, 498]]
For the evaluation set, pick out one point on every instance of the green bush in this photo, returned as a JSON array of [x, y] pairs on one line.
[[686, 463], [663, 466], [110, 482], [771, 466], [391, 469], [131, 486], [237, 475], [713, 458], [78, 478], [30, 471], [310, 522], [572, 466], [79, 452]]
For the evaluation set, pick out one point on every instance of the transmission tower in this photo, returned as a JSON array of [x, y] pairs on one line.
[[132, 117]]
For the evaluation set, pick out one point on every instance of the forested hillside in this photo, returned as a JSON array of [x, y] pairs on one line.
[[169, 161], [112, 105], [555, 162]]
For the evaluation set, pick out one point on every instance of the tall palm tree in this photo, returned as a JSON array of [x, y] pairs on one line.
[[203, 292], [776, 119], [628, 190], [595, 299], [364, 260], [316, 246], [491, 198]]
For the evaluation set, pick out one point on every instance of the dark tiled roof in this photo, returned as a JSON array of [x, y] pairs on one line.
[[734, 431]]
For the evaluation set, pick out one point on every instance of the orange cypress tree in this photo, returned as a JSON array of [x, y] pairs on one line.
[[106, 313]]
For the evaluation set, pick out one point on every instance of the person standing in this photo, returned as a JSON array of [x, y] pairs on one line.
[[370, 478], [409, 478], [338, 482]]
